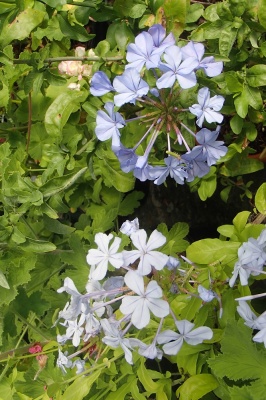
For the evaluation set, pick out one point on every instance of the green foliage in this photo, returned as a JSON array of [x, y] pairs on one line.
[[60, 186]]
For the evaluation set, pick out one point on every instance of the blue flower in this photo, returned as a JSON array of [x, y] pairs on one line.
[[161, 42], [196, 164], [196, 50], [108, 125], [141, 53], [142, 168], [207, 107], [174, 167], [100, 84], [211, 148], [175, 69], [148, 48], [129, 86], [126, 157]]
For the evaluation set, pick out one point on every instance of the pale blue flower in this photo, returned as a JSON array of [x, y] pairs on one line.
[[146, 300], [128, 227], [63, 362], [80, 365], [174, 341], [113, 338], [126, 157], [150, 351], [142, 169], [129, 86], [72, 309], [250, 318], [174, 167], [75, 330], [260, 337], [241, 271], [175, 69], [252, 255], [172, 263], [141, 53], [148, 48], [208, 107], [145, 251], [206, 295], [208, 64], [108, 125], [196, 164], [104, 255], [100, 84], [211, 148], [161, 42]]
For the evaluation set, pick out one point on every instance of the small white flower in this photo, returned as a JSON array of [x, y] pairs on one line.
[[208, 107], [174, 341], [128, 227], [75, 330], [103, 255], [148, 257], [74, 86], [206, 294], [150, 351], [62, 361], [146, 301], [80, 365], [113, 338]]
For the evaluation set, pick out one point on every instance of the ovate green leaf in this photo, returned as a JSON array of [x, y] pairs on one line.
[[207, 251], [256, 75], [59, 111], [260, 199], [21, 27], [197, 386]]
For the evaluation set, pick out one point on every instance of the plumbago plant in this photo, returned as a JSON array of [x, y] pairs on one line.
[[175, 90]]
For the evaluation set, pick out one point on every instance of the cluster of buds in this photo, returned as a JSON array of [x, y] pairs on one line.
[[76, 68]]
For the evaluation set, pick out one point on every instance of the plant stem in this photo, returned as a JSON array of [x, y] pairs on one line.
[[70, 58]]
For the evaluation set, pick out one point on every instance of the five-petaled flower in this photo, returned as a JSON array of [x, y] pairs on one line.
[[145, 251], [146, 300], [104, 255]]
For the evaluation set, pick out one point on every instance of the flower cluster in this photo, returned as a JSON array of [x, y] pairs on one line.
[[251, 259], [156, 73], [75, 68], [117, 307]]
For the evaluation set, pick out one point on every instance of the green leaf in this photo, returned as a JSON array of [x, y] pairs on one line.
[[207, 251], [113, 176], [236, 124], [130, 202], [81, 386], [227, 38], [37, 246], [4, 95], [232, 81], [22, 26], [250, 131], [55, 226], [123, 390], [240, 220], [143, 374], [262, 12], [240, 164], [75, 32], [60, 110], [19, 266], [241, 103], [56, 185], [256, 75], [195, 11], [3, 281], [238, 361], [196, 387], [260, 199], [175, 12]]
